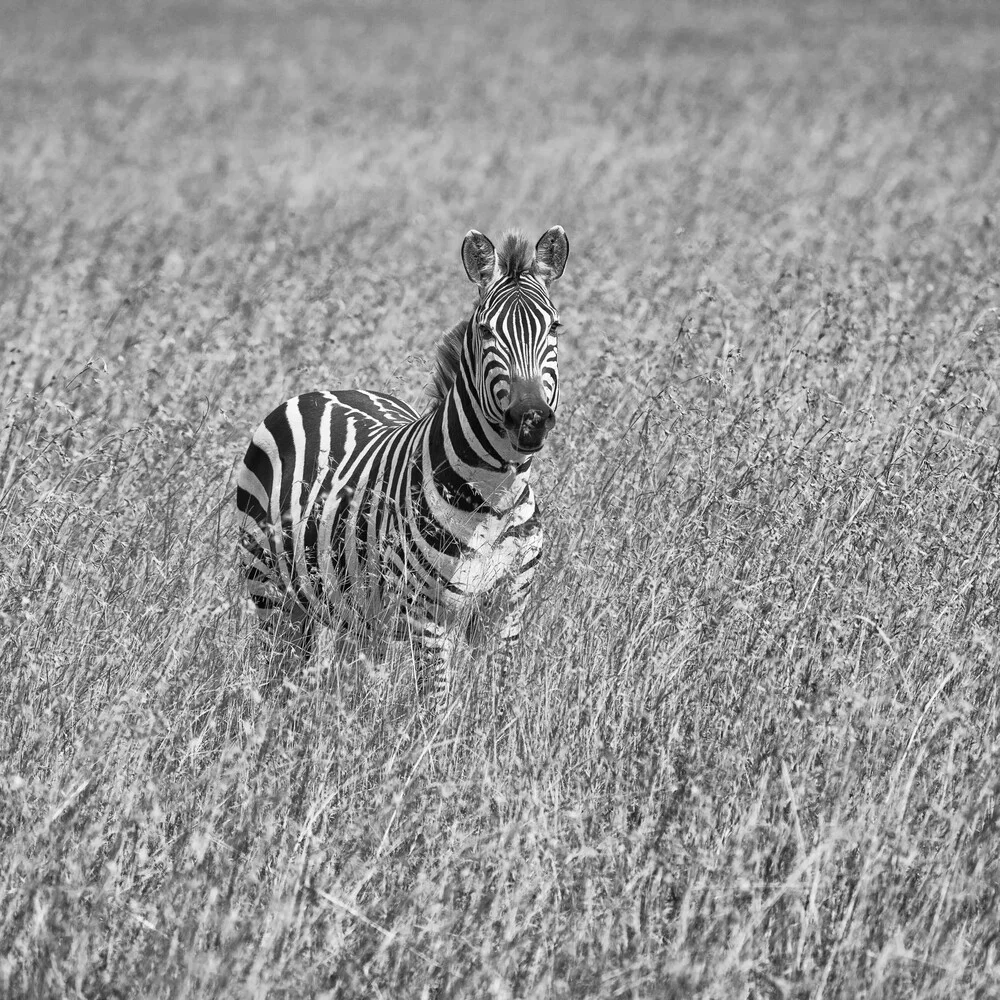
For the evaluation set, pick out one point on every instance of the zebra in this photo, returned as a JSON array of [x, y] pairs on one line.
[[361, 513]]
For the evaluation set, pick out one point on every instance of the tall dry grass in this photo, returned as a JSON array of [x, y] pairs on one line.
[[751, 740]]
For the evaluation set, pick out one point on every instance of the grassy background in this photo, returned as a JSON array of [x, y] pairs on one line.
[[754, 749]]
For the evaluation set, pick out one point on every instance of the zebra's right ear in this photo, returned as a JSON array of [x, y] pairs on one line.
[[479, 257]]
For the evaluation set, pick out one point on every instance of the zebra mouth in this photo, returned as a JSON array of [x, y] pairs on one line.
[[527, 417], [528, 449], [527, 440]]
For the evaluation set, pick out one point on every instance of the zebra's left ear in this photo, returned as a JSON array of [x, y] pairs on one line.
[[551, 253], [479, 257]]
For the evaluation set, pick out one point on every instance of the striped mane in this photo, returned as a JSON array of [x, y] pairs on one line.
[[449, 357], [515, 256]]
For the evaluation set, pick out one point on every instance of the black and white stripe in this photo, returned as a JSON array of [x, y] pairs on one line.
[[358, 512]]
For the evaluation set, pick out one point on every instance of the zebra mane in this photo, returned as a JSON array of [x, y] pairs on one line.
[[449, 357], [515, 255]]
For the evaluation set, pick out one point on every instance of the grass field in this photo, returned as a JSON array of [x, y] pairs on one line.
[[753, 747]]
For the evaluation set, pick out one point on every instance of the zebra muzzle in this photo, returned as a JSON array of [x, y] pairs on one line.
[[528, 417]]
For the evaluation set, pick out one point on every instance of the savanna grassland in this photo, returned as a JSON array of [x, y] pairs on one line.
[[752, 738]]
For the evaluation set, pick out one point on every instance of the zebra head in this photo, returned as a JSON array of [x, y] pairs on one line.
[[512, 333]]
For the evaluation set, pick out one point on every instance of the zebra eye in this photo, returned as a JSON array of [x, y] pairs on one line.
[[486, 333], [555, 327]]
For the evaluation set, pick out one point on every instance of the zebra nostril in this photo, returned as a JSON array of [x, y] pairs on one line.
[[515, 420]]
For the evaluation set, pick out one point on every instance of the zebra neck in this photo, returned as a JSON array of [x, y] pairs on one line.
[[469, 461], [469, 434]]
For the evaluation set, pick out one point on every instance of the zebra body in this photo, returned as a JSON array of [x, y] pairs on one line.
[[359, 512]]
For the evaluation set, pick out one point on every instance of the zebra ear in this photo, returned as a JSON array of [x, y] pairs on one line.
[[479, 257], [551, 252]]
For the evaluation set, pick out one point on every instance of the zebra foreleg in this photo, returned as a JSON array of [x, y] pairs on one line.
[[433, 646], [509, 633]]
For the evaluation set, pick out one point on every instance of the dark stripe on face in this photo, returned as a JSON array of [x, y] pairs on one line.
[[467, 404], [518, 315]]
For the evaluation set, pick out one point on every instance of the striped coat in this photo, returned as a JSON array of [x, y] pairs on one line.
[[358, 512]]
